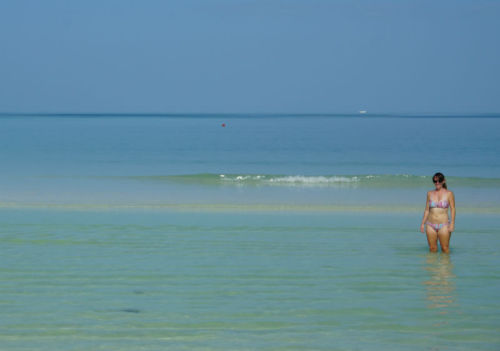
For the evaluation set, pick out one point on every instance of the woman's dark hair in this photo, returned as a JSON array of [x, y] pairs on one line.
[[440, 178]]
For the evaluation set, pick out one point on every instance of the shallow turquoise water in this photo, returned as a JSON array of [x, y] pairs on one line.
[[272, 233], [128, 280]]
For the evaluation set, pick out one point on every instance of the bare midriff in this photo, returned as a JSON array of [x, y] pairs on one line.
[[438, 215]]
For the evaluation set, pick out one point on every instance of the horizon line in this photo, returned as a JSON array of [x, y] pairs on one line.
[[361, 113]]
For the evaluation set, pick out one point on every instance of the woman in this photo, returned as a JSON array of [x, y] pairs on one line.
[[436, 222]]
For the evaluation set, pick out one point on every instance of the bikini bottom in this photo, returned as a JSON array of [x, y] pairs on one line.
[[436, 227]]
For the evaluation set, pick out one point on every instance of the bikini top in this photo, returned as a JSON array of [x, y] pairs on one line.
[[439, 204]]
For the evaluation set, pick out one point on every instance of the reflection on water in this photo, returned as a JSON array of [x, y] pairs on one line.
[[440, 284]]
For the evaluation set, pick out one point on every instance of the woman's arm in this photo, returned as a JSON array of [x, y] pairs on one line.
[[453, 212], [426, 213]]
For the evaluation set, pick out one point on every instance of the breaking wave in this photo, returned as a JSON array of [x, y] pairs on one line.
[[370, 181]]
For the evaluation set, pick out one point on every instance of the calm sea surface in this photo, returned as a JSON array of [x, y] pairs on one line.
[[268, 233]]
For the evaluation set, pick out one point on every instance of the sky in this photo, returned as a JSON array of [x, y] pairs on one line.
[[250, 56]]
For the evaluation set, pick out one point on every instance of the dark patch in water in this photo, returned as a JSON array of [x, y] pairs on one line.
[[130, 310]]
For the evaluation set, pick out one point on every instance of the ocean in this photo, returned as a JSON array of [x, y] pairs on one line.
[[246, 232]]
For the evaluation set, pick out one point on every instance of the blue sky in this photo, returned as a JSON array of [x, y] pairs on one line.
[[250, 56]]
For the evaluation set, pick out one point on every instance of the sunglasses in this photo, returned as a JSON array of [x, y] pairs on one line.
[[436, 181]]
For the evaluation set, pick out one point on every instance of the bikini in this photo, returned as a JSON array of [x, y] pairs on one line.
[[438, 204]]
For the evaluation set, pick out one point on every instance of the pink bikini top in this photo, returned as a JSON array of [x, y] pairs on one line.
[[439, 204]]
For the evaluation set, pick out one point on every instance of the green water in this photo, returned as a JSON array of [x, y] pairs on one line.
[[272, 233], [275, 280]]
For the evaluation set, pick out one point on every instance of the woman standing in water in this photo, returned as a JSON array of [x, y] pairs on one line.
[[436, 222]]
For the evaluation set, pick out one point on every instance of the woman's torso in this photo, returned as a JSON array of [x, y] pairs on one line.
[[438, 207]]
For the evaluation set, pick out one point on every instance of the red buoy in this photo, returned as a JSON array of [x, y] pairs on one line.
[[223, 124]]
